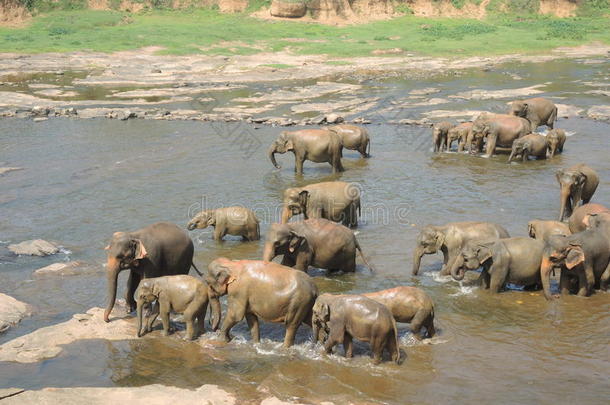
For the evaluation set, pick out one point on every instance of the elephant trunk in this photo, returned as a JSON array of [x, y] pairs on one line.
[[315, 331], [286, 215], [113, 269], [512, 155], [565, 195], [268, 252], [417, 255], [545, 274], [216, 313], [457, 270], [139, 316], [271, 153]]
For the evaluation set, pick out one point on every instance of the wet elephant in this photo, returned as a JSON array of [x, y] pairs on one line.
[[158, 250], [337, 201], [314, 242], [578, 183], [555, 139], [316, 145], [439, 135], [239, 221], [511, 260], [577, 222], [354, 137], [181, 294], [542, 230], [538, 111], [450, 239], [497, 131], [531, 145], [258, 289], [459, 133], [343, 318]]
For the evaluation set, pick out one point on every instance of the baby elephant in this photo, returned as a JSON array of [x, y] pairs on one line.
[[409, 305], [555, 139], [344, 317], [353, 138], [439, 135], [530, 145], [539, 229], [180, 293], [239, 221]]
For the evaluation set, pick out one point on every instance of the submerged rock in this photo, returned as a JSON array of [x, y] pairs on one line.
[[63, 269], [36, 247], [599, 112], [12, 311]]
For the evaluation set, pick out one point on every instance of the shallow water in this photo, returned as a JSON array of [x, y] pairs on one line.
[[85, 179]]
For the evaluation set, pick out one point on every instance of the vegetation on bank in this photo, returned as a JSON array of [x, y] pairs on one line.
[[206, 31]]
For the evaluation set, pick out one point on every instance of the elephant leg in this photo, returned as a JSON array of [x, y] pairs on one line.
[[417, 322], [298, 164], [152, 317], [164, 310], [565, 283], [201, 318], [189, 320], [219, 233], [337, 165], [291, 331], [491, 145], [302, 262], [335, 337], [350, 265], [235, 313], [604, 279], [429, 324], [253, 327], [499, 273], [484, 279], [288, 260], [377, 349], [348, 346], [445, 269], [449, 261], [583, 291], [132, 284]]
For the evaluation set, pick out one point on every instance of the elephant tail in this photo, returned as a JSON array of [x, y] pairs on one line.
[[371, 268], [396, 354], [196, 269]]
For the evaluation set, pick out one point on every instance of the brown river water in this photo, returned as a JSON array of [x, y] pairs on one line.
[[85, 179]]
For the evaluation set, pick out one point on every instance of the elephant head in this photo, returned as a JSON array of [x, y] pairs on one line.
[[220, 275], [319, 319], [123, 252], [520, 149], [479, 131], [472, 257], [282, 144], [560, 252], [146, 293], [295, 203], [572, 183], [202, 220], [428, 242], [281, 239], [519, 108]]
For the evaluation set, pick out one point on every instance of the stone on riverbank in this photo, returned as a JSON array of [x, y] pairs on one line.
[[36, 247], [12, 311]]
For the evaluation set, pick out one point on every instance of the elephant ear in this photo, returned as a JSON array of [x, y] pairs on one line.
[[525, 108], [303, 198], [140, 250], [440, 240], [484, 253], [575, 256], [211, 219], [531, 231], [296, 240]]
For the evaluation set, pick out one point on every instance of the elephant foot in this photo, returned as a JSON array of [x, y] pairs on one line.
[[486, 156]]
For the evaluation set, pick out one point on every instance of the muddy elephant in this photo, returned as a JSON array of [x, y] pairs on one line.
[[578, 183], [555, 140], [239, 221], [538, 111], [583, 257], [533, 145], [459, 133], [542, 230], [158, 250], [409, 305], [578, 219], [180, 293], [258, 289], [497, 130], [337, 201], [346, 317], [314, 242], [511, 260], [353, 137], [439, 135], [316, 145], [450, 239]]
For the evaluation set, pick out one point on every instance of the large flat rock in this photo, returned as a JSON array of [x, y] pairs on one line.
[[36, 247], [12, 311]]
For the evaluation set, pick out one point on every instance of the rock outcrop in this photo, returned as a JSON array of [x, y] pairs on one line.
[[36, 247], [12, 311], [288, 9]]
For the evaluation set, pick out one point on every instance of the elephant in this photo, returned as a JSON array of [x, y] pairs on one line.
[[555, 139], [238, 221], [439, 135], [584, 256], [179, 293], [498, 130], [314, 242], [409, 305], [159, 249], [542, 230], [577, 222], [450, 238], [337, 201], [259, 289], [511, 260], [538, 111], [353, 138], [578, 183], [345, 317], [530, 145], [316, 145], [460, 133]]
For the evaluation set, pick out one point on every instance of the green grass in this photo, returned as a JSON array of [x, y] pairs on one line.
[[206, 31]]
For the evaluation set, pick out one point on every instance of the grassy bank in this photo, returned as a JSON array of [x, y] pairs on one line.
[[205, 31]]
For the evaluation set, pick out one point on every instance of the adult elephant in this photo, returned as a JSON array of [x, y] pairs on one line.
[[316, 145], [451, 238], [538, 111], [439, 135], [578, 219], [337, 201], [460, 133], [160, 249], [354, 137], [530, 145], [258, 289], [512, 260], [578, 183], [314, 242], [498, 131]]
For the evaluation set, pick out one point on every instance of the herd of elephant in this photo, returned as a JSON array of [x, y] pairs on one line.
[[160, 256]]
